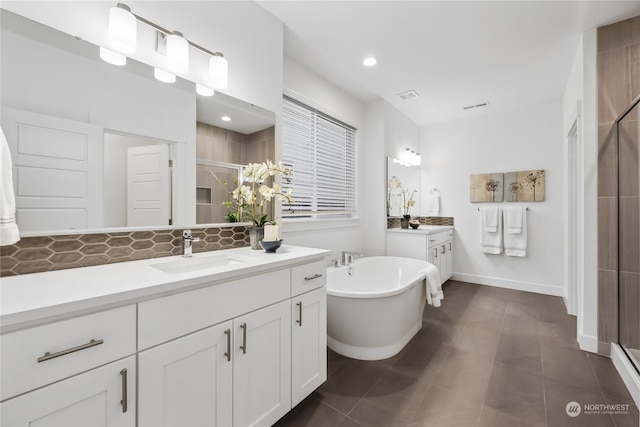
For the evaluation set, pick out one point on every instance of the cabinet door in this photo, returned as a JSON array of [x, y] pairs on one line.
[[262, 365], [308, 343], [188, 381], [447, 260], [435, 258], [104, 396]]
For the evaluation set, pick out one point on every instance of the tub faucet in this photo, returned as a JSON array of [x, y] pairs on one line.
[[187, 243], [349, 257]]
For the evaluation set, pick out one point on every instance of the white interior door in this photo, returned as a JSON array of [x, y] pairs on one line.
[[148, 185], [57, 166]]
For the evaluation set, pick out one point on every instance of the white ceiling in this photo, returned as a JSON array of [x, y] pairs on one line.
[[452, 53]]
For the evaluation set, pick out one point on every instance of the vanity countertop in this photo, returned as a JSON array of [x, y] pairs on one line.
[[30, 299], [423, 229]]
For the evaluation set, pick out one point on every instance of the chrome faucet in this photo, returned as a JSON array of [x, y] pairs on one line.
[[348, 257], [187, 243]]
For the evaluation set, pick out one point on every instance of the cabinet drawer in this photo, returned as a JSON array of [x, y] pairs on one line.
[[166, 318], [436, 239], [308, 277], [26, 365]]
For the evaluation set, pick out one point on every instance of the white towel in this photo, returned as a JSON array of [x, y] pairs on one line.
[[490, 218], [433, 203], [433, 286], [515, 244], [9, 233], [513, 219], [490, 241]]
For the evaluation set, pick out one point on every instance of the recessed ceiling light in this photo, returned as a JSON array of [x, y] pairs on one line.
[[225, 118], [369, 61]]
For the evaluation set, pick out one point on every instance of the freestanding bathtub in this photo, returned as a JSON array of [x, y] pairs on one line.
[[375, 306]]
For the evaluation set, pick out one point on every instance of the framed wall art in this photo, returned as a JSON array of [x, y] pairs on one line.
[[524, 186], [486, 187]]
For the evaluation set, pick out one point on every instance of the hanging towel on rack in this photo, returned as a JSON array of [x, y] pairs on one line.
[[433, 203], [491, 230], [9, 233], [515, 243]]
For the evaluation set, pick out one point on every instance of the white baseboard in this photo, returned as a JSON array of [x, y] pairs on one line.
[[628, 373], [587, 342], [510, 284]]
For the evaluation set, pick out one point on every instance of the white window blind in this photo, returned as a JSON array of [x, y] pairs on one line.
[[320, 151]]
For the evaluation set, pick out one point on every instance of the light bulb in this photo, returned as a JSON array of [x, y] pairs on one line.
[[164, 76], [204, 90], [177, 53], [219, 71], [112, 57]]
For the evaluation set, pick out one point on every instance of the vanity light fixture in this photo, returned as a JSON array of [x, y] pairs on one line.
[[410, 158], [123, 29], [112, 57], [123, 37], [164, 76]]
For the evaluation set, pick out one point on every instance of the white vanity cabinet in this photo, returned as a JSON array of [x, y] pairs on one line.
[[75, 372], [234, 346], [431, 244]]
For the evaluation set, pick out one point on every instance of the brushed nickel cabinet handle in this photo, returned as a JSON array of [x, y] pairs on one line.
[[449, 245], [124, 400], [49, 356], [435, 252], [243, 347], [299, 321], [228, 353], [315, 276], [444, 249]]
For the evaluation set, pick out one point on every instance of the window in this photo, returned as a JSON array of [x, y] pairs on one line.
[[320, 151]]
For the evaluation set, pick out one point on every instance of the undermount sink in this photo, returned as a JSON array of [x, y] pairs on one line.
[[198, 263]]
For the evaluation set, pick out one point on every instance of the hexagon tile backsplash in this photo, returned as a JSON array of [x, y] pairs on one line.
[[47, 253]]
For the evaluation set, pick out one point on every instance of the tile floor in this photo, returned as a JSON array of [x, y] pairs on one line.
[[487, 357]]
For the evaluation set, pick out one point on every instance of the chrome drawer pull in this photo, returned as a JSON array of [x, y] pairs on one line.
[[243, 347], [228, 353], [315, 276], [49, 356], [299, 321], [123, 373]]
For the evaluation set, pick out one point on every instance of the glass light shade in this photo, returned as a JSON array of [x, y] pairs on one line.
[[219, 71], [123, 30], [177, 53], [112, 57], [164, 76], [204, 90]]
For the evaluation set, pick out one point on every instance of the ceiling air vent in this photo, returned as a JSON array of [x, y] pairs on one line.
[[472, 106], [410, 94]]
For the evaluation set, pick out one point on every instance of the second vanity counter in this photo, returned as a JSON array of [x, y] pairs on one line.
[[30, 299]]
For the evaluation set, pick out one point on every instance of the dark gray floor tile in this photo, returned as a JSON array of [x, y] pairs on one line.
[[423, 357], [490, 417], [522, 352], [608, 377], [569, 366], [522, 309], [348, 422], [443, 407], [517, 392], [519, 325], [477, 340], [559, 394], [626, 415], [563, 327], [311, 413], [392, 401], [465, 375], [347, 385]]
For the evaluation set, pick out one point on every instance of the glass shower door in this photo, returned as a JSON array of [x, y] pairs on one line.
[[628, 130]]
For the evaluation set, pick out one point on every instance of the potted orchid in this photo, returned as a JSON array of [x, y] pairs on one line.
[[407, 204], [250, 201]]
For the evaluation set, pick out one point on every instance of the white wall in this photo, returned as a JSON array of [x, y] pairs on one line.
[[312, 89], [523, 139], [581, 87]]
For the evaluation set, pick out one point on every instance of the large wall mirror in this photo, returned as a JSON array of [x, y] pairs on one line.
[[98, 147], [403, 185]]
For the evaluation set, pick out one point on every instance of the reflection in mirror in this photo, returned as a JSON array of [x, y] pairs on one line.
[[403, 184], [95, 109]]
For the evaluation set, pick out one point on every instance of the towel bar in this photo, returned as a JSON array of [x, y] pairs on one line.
[[526, 209]]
